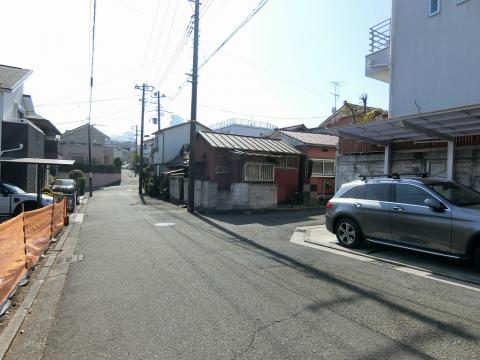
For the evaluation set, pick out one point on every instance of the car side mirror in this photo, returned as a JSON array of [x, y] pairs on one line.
[[434, 204]]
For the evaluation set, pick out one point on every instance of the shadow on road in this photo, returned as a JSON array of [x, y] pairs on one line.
[[272, 218], [439, 325]]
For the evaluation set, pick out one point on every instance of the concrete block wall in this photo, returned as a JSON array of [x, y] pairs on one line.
[[434, 161], [262, 196], [175, 183], [241, 196]]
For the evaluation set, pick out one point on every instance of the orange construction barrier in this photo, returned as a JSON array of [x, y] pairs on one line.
[[38, 233], [58, 217], [12, 256]]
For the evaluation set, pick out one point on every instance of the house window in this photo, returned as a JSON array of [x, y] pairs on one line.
[[323, 168], [257, 172], [222, 170], [433, 7], [287, 163]]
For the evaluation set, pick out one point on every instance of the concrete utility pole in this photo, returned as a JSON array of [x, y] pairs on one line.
[[136, 150], [157, 94], [144, 88], [90, 181], [193, 116]]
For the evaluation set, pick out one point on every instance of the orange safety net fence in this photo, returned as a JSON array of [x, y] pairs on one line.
[[58, 218], [38, 233], [12, 256]]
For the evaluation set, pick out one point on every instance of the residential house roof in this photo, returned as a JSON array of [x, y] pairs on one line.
[[85, 125], [299, 127], [46, 125], [247, 143], [178, 125], [343, 116], [311, 138], [11, 77]]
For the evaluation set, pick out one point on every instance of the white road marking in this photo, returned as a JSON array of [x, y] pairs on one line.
[[298, 238], [164, 224], [78, 219]]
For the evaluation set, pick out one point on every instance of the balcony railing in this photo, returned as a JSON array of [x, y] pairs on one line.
[[380, 36]]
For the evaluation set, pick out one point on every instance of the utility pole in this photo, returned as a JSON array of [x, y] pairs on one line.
[[336, 85], [90, 181], [157, 94], [144, 88], [193, 115], [136, 150]]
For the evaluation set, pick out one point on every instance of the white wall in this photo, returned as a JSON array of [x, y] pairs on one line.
[[170, 142], [435, 60], [9, 101], [237, 129]]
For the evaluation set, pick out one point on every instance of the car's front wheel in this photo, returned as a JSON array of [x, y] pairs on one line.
[[476, 257], [348, 233]]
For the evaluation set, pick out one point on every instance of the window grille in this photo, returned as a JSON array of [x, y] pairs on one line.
[[321, 168], [287, 163], [257, 172], [222, 169]]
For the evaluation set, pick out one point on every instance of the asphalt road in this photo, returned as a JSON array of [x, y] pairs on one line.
[[234, 287]]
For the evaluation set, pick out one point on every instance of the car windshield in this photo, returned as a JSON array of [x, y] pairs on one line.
[[13, 189], [63, 182], [457, 194]]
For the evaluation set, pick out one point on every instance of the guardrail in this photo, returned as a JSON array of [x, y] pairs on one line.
[[23, 240], [380, 35]]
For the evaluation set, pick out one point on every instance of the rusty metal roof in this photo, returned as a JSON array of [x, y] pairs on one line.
[[247, 143], [312, 138]]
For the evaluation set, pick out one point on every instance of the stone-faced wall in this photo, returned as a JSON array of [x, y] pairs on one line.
[[434, 161]]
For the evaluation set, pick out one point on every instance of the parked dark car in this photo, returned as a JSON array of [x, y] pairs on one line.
[[67, 187], [434, 216]]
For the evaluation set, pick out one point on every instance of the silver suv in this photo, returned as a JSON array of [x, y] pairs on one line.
[[435, 216]]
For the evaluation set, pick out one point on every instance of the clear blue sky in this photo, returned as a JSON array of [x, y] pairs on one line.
[[277, 69]]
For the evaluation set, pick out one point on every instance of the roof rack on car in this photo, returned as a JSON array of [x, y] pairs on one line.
[[394, 175]]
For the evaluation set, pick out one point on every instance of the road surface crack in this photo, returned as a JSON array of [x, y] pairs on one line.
[[257, 331]]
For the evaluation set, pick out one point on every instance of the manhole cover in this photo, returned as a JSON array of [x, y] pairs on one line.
[[164, 224]]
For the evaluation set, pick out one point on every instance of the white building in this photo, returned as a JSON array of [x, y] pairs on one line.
[[429, 54], [244, 127], [171, 145]]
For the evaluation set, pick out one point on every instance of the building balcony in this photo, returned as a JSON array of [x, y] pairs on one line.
[[377, 63]]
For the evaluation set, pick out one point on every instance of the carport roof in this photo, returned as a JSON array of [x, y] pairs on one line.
[[37, 161], [445, 125]]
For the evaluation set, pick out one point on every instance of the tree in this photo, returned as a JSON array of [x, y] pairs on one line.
[[117, 163]]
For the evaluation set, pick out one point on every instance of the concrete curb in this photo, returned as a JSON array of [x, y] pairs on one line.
[[373, 258], [10, 332]]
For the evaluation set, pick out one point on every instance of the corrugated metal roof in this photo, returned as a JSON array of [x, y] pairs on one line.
[[247, 143], [446, 125], [312, 138], [11, 76]]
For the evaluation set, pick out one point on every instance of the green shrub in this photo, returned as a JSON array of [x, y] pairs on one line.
[[80, 180]]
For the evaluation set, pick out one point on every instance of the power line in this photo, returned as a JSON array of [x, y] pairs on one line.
[[169, 36], [85, 101], [159, 38], [259, 7], [176, 53], [264, 116], [154, 22], [276, 75]]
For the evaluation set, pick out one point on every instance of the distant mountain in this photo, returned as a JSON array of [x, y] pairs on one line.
[[126, 136]]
